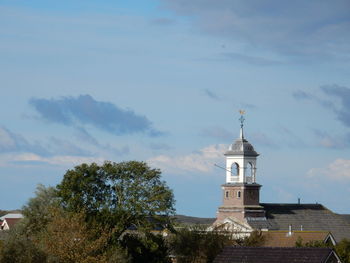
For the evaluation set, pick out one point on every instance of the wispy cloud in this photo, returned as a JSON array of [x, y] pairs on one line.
[[302, 95], [85, 110], [15, 149], [217, 132], [332, 141], [260, 138], [338, 169], [59, 160], [84, 136], [59, 146], [160, 146], [290, 138], [12, 142], [201, 161], [163, 21], [341, 105], [211, 94], [249, 59], [301, 30]]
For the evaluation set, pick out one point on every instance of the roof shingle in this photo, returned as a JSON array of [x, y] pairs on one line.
[[273, 255]]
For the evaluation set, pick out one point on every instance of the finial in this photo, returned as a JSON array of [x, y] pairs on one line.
[[242, 119]]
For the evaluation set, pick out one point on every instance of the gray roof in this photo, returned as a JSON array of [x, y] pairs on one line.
[[191, 220], [275, 255], [314, 217], [241, 147], [346, 217]]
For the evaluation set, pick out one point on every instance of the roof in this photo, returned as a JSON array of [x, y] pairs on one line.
[[346, 217], [309, 217], [241, 147], [11, 215], [191, 220], [284, 239], [273, 255]]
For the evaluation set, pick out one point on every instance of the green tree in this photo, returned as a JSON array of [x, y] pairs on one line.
[[255, 239], [119, 195], [36, 211], [146, 247], [21, 243], [18, 247], [85, 217], [343, 250], [197, 245]]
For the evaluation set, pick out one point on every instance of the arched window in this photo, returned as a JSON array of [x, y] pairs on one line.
[[234, 169], [226, 194], [251, 169], [239, 194]]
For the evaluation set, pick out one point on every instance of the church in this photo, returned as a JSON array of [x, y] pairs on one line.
[[242, 212]]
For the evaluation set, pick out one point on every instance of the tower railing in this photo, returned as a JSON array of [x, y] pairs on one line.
[[234, 179], [249, 179]]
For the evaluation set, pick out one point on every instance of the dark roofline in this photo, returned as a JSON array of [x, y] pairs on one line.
[[294, 204]]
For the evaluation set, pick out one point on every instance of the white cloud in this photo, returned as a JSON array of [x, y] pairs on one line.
[[34, 159], [201, 161], [338, 169]]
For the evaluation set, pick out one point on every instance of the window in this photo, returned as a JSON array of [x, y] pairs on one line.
[[235, 169], [226, 194], [251, 168], [239, 194]]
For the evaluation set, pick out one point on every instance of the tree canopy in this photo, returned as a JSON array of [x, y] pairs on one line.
[[119, 194], [85, 217]]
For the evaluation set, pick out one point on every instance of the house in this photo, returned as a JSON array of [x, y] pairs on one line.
[[9, 220], [241, 210], [290, 238], [276, 255]]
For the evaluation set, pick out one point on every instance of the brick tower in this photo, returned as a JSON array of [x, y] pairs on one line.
[[240, 192]]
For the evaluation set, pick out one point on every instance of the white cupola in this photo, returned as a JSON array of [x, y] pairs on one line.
[[241, 160]]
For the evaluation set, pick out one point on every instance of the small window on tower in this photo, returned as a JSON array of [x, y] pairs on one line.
[[226, 194], [239, 194], [235, 169], [251, 168]]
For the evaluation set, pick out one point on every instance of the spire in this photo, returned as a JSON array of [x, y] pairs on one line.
[[241, 135]]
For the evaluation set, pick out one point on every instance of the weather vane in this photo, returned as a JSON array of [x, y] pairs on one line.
[[242, 112]]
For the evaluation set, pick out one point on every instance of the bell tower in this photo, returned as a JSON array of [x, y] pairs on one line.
[[241, 191]]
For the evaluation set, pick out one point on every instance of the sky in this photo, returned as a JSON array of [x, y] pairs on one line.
[[162, 81]]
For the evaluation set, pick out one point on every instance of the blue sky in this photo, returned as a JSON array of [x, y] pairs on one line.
[[162, 81]]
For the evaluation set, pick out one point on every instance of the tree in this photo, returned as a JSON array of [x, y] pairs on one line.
[[343, 250], [255, 239], [119, 195], [146, 247], [83, 219], [18, 247], [197, 245], [69, 239], [313, 243], [21, 243], [36, 211]]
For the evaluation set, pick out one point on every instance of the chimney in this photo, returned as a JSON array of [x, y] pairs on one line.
[[289, 231]]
